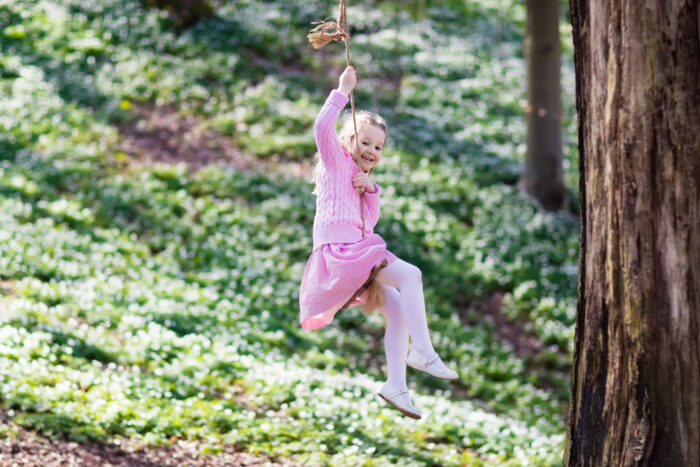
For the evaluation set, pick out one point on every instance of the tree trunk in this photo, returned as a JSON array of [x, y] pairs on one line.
[[543, 175], [189, 12], [635, 395]]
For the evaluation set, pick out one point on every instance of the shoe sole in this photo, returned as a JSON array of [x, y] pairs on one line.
[[403, 411], [434, 376]]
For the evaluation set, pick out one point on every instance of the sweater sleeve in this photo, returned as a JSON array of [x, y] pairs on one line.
[[372, 206], [327, 141]]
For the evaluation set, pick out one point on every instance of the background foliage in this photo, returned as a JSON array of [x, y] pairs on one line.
[[149, 301]]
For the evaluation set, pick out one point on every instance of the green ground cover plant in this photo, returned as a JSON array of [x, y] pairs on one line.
[[152, 302]]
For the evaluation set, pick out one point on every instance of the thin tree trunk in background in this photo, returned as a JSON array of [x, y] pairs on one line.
[[189, 12], [635, 395], [396, 74], [543, 175], [420, 9]]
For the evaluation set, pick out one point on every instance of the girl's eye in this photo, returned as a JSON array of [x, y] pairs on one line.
[[377, 148]]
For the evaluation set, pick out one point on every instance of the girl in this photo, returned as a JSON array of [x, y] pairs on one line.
[[342, 257]]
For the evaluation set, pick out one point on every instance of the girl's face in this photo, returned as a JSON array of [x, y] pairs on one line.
[[372, 140]]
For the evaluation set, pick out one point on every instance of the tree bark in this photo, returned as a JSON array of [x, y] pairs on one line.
[[635, 395], [543, 175]]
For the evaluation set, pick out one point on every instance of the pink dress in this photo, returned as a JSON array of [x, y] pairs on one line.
[[342, 258]]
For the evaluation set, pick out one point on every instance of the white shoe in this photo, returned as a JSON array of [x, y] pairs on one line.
[[433, 365], [399, 400]]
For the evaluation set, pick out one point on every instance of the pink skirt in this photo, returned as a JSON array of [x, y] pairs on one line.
[[333, 273]]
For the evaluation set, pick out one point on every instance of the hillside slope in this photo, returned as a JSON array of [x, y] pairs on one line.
[[158, 301]]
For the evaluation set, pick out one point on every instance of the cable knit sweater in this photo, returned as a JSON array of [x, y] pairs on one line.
[[338, 217]]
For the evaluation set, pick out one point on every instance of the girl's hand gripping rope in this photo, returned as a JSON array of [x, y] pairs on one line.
[[361, 181], [347, 81]]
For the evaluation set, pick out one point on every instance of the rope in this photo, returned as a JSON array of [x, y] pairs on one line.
[[325, 32], [319, 37]]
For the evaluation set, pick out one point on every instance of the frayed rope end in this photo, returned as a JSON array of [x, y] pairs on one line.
[[325, 32]]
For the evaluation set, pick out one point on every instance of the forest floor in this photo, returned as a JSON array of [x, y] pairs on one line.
[[22, 447], [156, 135], [30, 449], [162, 134]]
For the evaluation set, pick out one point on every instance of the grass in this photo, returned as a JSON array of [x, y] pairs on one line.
[[152, 302]]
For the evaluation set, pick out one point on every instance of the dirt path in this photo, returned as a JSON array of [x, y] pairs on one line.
[[27, 448], [162, 134]]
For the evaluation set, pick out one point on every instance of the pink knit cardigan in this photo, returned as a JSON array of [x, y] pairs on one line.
[[337, 203]]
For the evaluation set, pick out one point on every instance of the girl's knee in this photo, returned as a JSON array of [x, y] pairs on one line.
[[415, 273]]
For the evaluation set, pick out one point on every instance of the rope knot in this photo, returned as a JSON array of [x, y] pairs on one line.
[[322, 34], [325, 32]]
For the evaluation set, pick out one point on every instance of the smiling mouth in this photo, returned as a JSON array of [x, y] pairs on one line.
[[369, 159]]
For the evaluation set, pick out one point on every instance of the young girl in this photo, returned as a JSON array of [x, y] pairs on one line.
[[342, 257]]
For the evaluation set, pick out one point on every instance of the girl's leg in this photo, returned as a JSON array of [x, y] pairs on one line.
[[395, 390], [395, 338], [408, 280]]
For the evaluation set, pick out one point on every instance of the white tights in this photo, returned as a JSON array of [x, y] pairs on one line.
[[404, 311]]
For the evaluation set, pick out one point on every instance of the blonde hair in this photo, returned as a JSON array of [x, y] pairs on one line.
[[375, 297]]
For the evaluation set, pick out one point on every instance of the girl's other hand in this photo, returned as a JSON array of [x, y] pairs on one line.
[[347, 80], [361, 179]]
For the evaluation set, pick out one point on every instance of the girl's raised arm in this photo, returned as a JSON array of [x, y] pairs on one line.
[[327, 141]]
